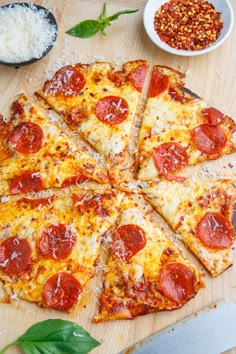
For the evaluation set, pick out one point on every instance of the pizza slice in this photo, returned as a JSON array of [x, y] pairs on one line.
[[201, 214], [99, 103], [179, 128], [49, 244], [35, 154], [146, 272]]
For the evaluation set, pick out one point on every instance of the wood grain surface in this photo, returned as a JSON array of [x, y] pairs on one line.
[[212, 76]]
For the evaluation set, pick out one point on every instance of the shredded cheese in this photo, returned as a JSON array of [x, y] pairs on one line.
[[25, 33]]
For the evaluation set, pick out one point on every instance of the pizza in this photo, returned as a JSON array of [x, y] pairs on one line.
[[56, 224], [49, 244], [201, 214], [146, 272], [100, 104], [179, 129], [36, 155]]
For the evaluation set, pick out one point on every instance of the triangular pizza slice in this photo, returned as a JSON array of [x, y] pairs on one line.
[[100, 103], [146, 272], [49, 244], [179, 128], [201, 214], [35, 154]]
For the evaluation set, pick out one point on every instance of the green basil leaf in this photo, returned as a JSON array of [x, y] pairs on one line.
[[105, 25], [85, 29], [117, 14], [89, 28], [103, 16], [56, 337]]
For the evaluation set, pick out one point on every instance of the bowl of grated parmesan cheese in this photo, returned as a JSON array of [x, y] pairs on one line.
[[27, 33]]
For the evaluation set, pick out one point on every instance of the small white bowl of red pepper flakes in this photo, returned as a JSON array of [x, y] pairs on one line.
[[188, 27]]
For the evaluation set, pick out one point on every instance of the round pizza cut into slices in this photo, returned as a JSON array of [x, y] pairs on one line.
[[55, 229]]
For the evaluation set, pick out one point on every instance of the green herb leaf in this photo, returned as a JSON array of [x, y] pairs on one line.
[[103, 16], [55, 336], [117, 14], [89, 28], [85, 29]]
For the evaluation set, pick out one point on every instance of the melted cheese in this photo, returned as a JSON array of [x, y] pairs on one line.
[[184, 204], [29, 224], [58, 159], [166, 120], [121, 278], [26, 33], [111, 141]]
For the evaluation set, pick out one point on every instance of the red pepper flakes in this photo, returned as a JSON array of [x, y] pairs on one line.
[[188, 24]]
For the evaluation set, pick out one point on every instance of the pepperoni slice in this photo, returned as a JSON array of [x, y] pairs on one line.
[[75, 116], [68, 81], [176, 96], [27, 182], [17, 108], [112, 110], [15, 255], [137, 77], [215, 231], [95, 203], [158, 84], [74, 180], [26, 138], [35, 203], [213, 116], [177, 282], [61, 291], [170, 157], [209, 139], [57, 241], [129, 239]]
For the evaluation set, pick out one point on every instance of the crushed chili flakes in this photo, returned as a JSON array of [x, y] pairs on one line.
[[188, 24]]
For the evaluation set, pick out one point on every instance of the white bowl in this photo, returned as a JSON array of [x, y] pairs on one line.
[[223, 6]]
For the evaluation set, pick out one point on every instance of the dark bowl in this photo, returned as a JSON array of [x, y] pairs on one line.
[[52, 21]]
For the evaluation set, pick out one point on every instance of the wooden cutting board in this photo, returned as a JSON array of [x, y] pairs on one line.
[[211, 76]]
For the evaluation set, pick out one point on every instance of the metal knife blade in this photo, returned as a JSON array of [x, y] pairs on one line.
[[209, 331]]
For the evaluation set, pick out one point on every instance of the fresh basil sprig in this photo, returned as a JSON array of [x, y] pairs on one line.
[[55, 336], [89, 28]]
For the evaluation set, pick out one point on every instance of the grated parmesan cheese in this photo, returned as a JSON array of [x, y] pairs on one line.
[[25, 33]]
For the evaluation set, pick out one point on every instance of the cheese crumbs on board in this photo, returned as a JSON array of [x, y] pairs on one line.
[[25, 33]]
